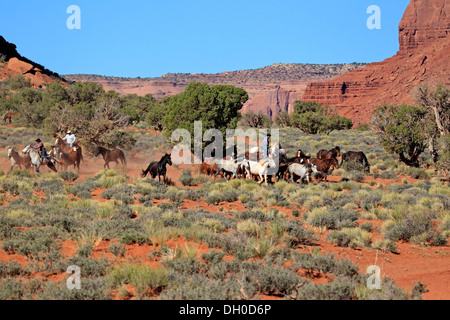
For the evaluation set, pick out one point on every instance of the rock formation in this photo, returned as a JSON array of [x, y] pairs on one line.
[[423, 58], [12, 63]]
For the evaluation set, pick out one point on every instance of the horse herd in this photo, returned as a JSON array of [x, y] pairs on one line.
[[248, 166], [293, 169]]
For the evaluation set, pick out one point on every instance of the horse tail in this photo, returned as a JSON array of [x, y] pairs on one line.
[[366, 162], [122, 157], [344, 156]]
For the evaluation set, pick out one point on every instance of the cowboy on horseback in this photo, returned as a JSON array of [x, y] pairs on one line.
[[266, 145], [69, 138], [39, 146]]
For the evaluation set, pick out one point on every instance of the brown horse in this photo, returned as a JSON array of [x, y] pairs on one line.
[[65, 147], [66, 159], [110, 155], [328, 154], [17, 160], [324, 165], [208, 169], [8, 116]]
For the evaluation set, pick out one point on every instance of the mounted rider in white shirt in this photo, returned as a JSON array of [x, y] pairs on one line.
[[70, 138]]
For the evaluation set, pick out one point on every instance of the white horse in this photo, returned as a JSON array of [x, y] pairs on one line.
[[36, 158], [302, 170], [259, 168], [230, 166]]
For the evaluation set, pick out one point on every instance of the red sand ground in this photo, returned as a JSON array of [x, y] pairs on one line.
[[411, 263]]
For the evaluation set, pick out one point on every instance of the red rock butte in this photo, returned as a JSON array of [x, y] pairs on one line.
[[423, 58]]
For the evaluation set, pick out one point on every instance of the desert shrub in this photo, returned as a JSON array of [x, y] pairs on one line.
[[51, 187], [357, 176], [388, 175], [134, 237], [15, 289], [92, 289], [32, 242], [367, 226], [7, 228], [194, 195], [186, 178], [87, 186], [250, 227], [252, 214], [236, 245], [117, 249], [12, 269], [352, 165], [141, 277], [416, 226], [370, 202], [275, 279], [297, 234], [332, 218], [109, 178], [323, 264], [340, 289], [198, 287], [69, 176], [85, 250], [384, 245], [213, 257]]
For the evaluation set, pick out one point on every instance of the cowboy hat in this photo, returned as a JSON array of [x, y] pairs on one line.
[[68, 131], [38, 140]]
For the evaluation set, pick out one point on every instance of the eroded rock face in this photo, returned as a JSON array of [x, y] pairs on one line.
[[13, 64], [424, 22], [424, 57]]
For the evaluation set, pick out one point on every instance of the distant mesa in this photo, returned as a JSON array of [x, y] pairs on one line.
[[271, 89]]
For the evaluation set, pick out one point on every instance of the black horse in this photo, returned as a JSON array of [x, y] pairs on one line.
[[357, 156], [158, 168]]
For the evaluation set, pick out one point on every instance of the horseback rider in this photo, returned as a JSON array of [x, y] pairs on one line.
[[266, 145], [39, 146], [70, 138]]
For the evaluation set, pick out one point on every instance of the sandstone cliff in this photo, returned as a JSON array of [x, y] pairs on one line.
[[423, 57], [12, 63]]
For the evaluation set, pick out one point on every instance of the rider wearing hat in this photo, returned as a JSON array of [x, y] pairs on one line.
[[40, 146], [70, 138]]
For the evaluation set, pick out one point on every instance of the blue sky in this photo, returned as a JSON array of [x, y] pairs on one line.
[[149, 38]]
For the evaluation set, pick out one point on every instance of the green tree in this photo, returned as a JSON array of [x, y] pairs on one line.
[[403, 130], [217, 107], [155, 115], [314, 118], [436, 101], [136, 107], [282, 119]]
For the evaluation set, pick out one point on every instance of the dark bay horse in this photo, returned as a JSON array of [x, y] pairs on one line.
[[158, 168], [357, 156], [110, 155], [328, 154]]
